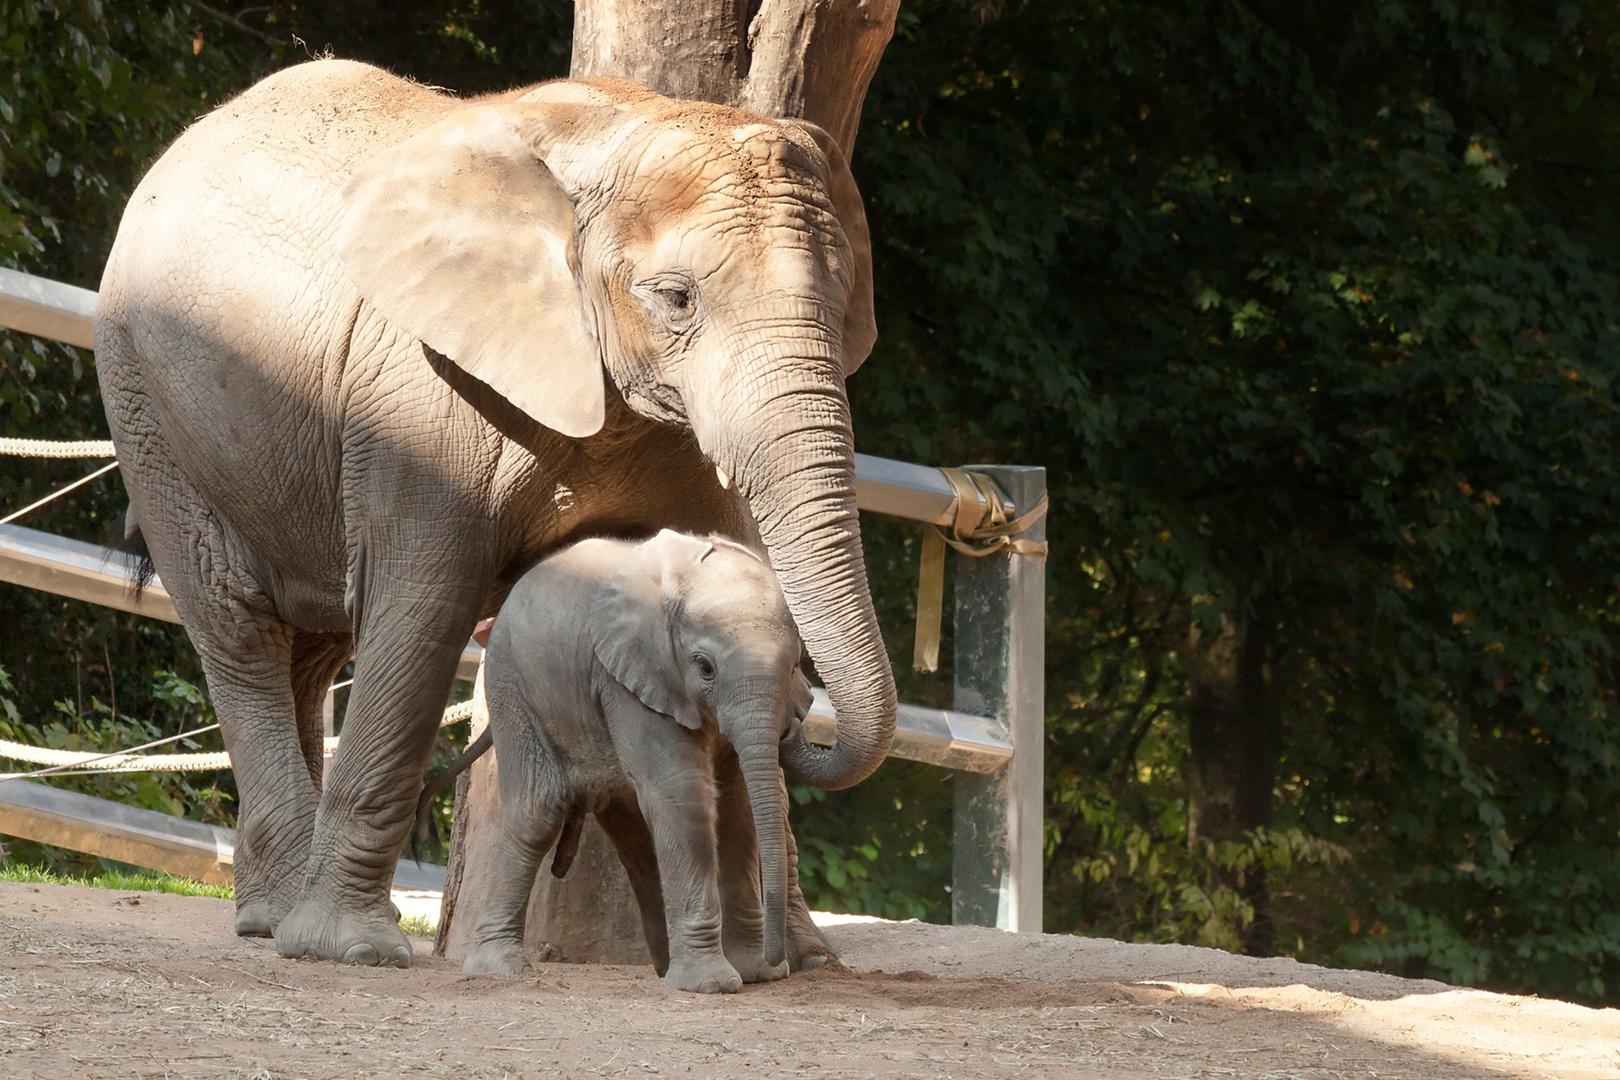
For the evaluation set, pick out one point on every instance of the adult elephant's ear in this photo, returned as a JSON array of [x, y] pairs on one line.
[[631, 625], [462, 237], [860, 322]]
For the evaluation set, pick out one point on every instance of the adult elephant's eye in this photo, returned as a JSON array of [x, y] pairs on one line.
[[677, 302], [671, 298], [705, 666]]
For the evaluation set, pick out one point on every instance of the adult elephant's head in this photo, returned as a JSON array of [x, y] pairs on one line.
[[716, 264]]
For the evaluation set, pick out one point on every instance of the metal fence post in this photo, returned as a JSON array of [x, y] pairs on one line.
[[1000, 660]]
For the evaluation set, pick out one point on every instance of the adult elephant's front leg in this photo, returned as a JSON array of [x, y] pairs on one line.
[[405, 661]]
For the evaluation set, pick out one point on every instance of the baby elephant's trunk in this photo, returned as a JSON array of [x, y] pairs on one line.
[[757, 754]]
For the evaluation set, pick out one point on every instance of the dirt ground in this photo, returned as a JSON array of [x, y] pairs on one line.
[[96, 983]]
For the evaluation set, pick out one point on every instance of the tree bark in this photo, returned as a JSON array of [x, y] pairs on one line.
[[1234, 740], [809, 59]]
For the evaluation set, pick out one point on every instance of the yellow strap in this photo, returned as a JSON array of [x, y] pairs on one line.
[[930, 600], [978, 520]]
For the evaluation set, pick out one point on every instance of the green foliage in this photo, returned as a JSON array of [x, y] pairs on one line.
[[1303, 311], [117, 879], [91, 92], [448, 745], [1137, 875], [95, 727], [880, 852]]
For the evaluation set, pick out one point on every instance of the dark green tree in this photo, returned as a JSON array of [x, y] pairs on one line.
[[1309, 312]]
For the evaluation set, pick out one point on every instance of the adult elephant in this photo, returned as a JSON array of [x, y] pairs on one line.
[[352, 339]]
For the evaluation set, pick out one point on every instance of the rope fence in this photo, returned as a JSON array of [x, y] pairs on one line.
[[82, 762], [45, 448], [59, 762]]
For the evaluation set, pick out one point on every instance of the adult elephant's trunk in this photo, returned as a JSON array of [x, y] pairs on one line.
[[794, 461], [757, 757]]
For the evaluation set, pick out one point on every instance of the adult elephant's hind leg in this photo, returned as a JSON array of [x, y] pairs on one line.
[[251, 690], [405, 660], [246, 654], [621, 819], [245, 650]]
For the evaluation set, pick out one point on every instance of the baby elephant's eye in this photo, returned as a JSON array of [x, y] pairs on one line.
[[705, 666]]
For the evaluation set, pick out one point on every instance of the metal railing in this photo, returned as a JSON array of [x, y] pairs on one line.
[[993, 740]]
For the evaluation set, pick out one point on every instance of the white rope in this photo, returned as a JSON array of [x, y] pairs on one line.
[[43, 448], [128, 761], [100, 761], [58, 493], [123, 763]]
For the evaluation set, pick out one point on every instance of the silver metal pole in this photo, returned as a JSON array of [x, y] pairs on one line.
[[1000, 673]]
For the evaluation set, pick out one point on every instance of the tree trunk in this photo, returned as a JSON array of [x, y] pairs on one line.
[[1234, 742], [810, 59]]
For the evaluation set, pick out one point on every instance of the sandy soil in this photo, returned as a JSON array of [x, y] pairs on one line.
[[95, 983]]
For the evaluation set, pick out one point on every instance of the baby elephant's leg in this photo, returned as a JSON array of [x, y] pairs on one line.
[[679, 807], [526, 834], [742, 933]]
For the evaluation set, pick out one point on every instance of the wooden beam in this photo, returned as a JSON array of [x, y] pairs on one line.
[[146, 838], [98, 575], [47, 309]]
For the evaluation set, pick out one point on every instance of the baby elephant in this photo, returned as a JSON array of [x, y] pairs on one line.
[[648, 683]]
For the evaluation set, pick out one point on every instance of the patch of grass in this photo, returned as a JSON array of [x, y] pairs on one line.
[[114, 879], [167, 883]]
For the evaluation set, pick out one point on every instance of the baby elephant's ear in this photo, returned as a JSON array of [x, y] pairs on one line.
[[631, 631]]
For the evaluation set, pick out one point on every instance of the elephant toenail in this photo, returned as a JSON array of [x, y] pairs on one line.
[[812, 962], [362, 954], [400, 957]]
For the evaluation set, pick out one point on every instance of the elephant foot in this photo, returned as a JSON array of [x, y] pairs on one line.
[[703, 975], [253, 919], [807, 949], [496, 958], [751, 966], [316, 929]]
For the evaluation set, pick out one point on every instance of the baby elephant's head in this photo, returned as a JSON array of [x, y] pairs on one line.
[[698, 629]]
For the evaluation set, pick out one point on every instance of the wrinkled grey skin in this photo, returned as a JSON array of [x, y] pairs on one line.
[[649, 684], [368, 350]]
